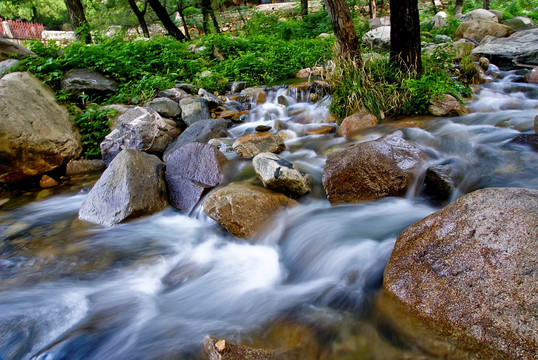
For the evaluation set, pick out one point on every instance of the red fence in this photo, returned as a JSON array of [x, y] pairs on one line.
[[20, 29]]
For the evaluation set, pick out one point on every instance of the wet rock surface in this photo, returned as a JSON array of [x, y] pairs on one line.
[[244, 208], [446, 105], [251, 145], [192, 170], [356, 122], [468, 272], [132, 186], [280, 175], [371, 170]]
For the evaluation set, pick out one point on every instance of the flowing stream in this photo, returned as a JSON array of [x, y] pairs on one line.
[[153, 288]]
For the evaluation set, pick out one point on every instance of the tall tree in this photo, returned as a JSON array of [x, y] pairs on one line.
[[344, 30], [180, 8], [458, 9], [140, 16], [304, 8], [373, 8], [405, 35], [486, 4], [168, 24], [78, 20], [207, 11]]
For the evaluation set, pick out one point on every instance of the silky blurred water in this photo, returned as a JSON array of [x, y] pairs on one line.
[[154, 287]]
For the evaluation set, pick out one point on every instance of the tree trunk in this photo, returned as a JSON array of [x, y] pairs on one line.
[[140, 16], [434, 7], [344, 30], [207, 11], [373, 8], [486, 4], [405, 35], [304, 8], [180, 12], [458, 9], [168, 24], [78, 20]]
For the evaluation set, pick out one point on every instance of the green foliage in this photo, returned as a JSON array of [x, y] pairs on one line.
[[386, 92], [276, 25], [51, 13], [94, 125]]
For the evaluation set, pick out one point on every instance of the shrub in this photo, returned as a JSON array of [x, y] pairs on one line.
[[94, 125]]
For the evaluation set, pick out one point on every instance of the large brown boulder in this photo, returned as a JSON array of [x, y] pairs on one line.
[[251, 145], [469, 273], [244, 208], [9, 49], [371, 170], [132, 186], [191, 171], [446, 105], [477, 30], [36, 134]]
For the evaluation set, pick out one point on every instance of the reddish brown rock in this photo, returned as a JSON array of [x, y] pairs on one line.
[[253, 144], [191, 171], [244, 208], [468, 272], [446, 105], [532, 76], [47, 182], [356, 122], [320, 130], [371, 170]]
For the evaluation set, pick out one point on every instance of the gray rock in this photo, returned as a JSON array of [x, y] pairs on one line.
[[284, 100], [224, 145], [201, 131], [189, 88], [440, 182], [378, 38], [77, 167], [439, 20], [212, 100], [250, 94], [7, 65], [480, 14], [132, 186], [9, 49], [36, 134], [477, 30], [521, 47], [119, 110], [467, 275], [238, 86], [438, 39], [174, 94], [251, 145], [517, 23], [165, 107], [280, 175], [536, 124], [141, 129], [194, 109], [497, 13], [87, 81], [530, 140], [191, 171], [376, 22], [371, 170]]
